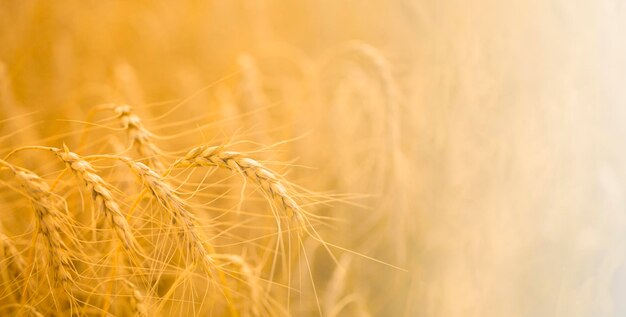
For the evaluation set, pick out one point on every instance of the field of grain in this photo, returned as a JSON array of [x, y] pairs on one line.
[[312, 158]]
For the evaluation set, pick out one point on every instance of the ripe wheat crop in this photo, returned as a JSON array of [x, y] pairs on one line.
[[253, 158]]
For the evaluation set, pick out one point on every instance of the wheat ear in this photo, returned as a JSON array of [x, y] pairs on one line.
[[50, 220], [250, 87], [15, 262], [10, 108], [168, 198], [269, 182], [127, 83], [137, 300], [101, 195], [249, 277], [382, 68], [140, 137], [7, 99], [179, 213]]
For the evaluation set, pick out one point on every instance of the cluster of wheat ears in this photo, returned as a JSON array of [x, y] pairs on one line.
[[102, 221], [109, 233], [151, 164], [312, 158]]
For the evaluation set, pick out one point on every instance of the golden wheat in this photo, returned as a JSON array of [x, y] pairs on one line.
[[101, 195], [140, 137], [50, 221], [269, 182], [137, 301], [135, 225], [13, 261], [182, 221]]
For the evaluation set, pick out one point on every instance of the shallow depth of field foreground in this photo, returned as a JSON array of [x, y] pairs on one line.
[[312, 158]]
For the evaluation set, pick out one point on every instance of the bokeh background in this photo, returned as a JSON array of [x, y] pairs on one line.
[[474, 147]]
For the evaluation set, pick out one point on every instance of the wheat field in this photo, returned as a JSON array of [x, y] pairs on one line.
[[312, 158]]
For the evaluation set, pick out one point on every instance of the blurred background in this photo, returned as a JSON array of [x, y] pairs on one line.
[[470, 155]]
